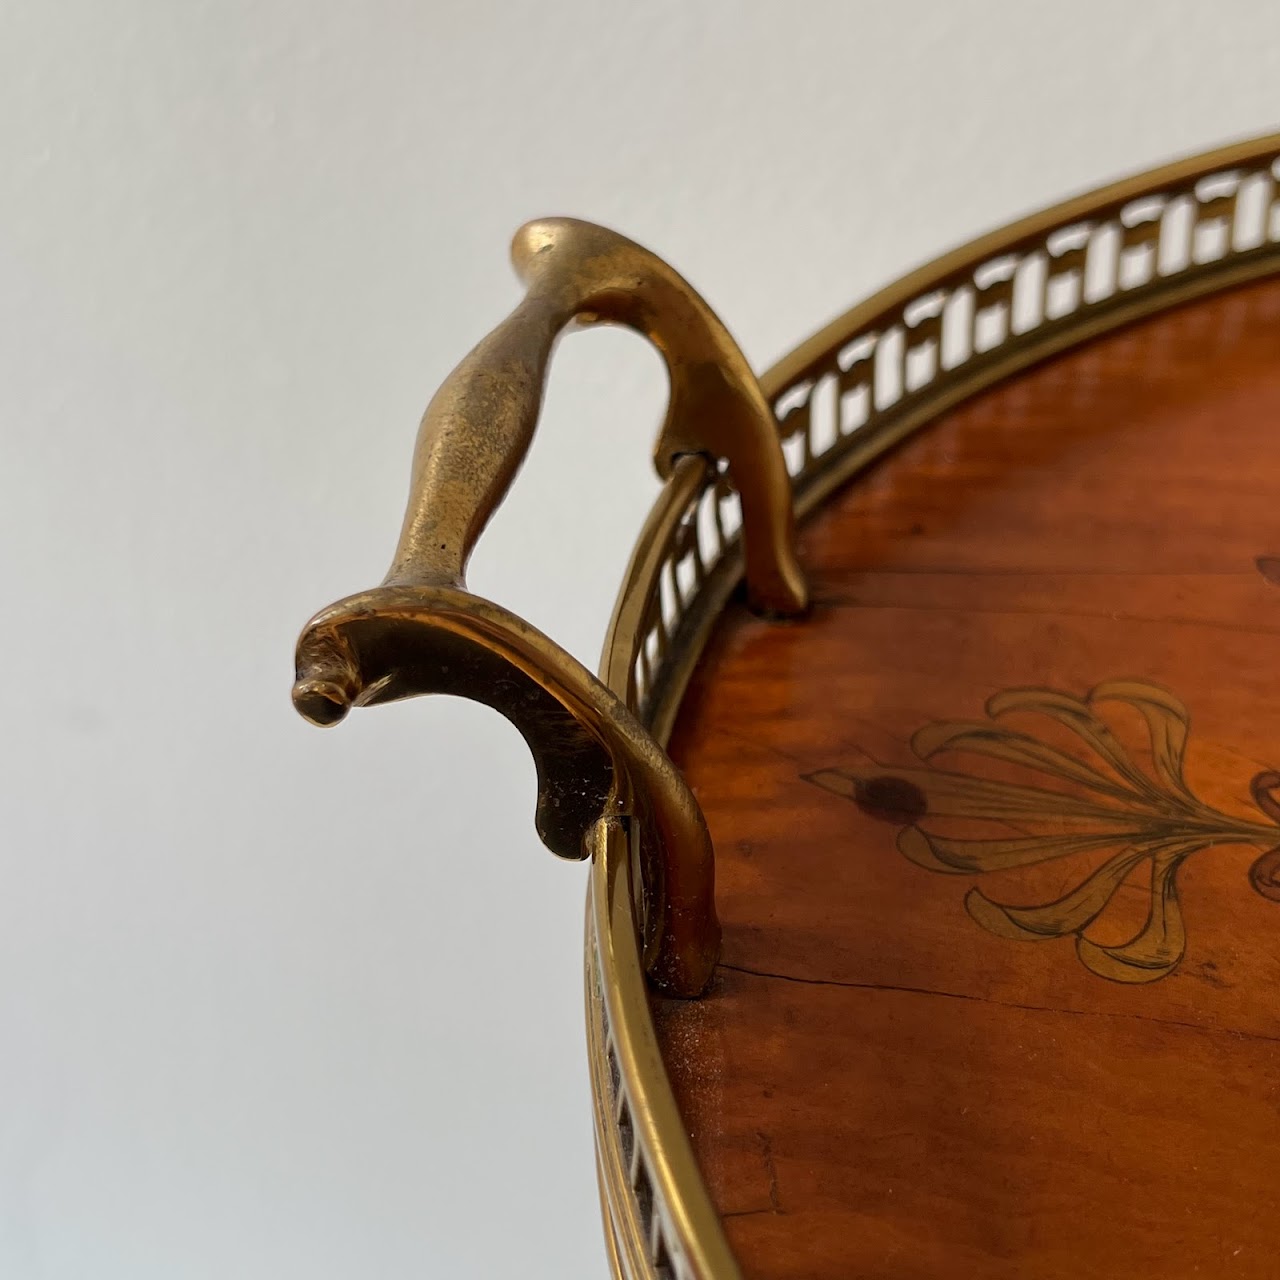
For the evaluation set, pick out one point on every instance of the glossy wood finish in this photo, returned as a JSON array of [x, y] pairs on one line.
[[880, 1085]]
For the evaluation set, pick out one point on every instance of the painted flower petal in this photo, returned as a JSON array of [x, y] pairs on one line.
[[1075, 714], [1264, 875], [1069, 914], [1263, 788], [985, 738], [1158, 948], [940, 853], [1168, 723]]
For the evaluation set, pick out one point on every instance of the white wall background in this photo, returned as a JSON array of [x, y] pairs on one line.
[[279, 1003]]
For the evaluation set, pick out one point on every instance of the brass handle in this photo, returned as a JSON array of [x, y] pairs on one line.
[[422, 631], [477, 428]]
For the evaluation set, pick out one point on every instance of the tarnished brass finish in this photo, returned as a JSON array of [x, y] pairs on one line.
[[423, 632], [593, 757], [478, 426], [654, 1230], [886, 369]]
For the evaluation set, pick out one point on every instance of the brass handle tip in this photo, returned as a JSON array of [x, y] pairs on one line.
[[533, 238], [322, 702]]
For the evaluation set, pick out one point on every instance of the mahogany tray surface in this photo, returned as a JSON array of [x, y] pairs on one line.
[[892, 1075]]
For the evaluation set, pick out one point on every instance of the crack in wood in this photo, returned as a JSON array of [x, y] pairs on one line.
[[1003, 1004]]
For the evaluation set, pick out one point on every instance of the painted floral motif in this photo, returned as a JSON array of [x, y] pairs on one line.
[[1148, 817]]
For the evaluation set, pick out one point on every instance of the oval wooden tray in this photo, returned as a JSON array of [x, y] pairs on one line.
[[1096, 524], [996, 821], [997, 840]]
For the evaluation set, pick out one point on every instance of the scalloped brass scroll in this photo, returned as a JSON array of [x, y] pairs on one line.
[[422, 631]]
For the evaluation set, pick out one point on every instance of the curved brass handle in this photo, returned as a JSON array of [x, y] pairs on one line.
[[422, 631], [477, 428]]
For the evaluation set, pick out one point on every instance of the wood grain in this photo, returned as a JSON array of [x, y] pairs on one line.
[[880, 1086]]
